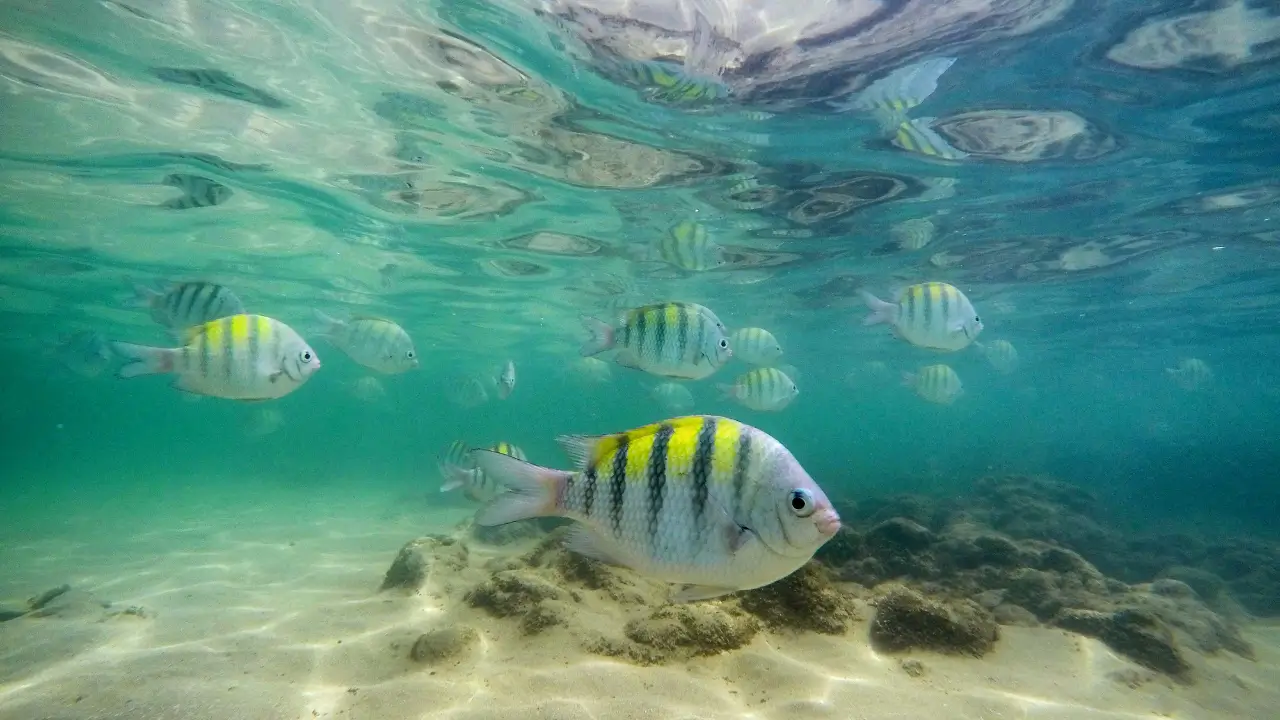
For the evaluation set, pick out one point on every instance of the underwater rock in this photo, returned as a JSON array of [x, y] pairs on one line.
[[39, 601], [906, 620], [683, 631], [899, 532], [512, 592], [804, 600], [912, 667], [510, 533], [1138, 635], [1178, 606], [444, 644], [7, 614], [409, 570]]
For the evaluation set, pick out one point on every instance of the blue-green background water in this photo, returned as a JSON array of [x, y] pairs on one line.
[[437, 137]]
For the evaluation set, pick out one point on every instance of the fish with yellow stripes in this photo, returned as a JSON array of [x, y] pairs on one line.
[[703, 501], [674, 339], [766, 389], [373, 342], [241, 357], [460, 472], [689, 246], [917, 136], [936, 383], [755, 345], [933, 315]]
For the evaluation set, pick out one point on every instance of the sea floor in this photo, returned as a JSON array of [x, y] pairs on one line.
[[250, 600]]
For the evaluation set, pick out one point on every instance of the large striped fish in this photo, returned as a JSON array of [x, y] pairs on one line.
[[242, 357], [689, 246], [933, 315], [683, 340], [188, 304], [701, 500], [935, 383], [373, 342], [766, 389]]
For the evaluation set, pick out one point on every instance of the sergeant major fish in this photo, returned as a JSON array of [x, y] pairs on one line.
[[755, 345], [701, 500], [507, 380], [188, 304], [936, 383], [460, 472], [373, 342], [242, 357], [933, 315], [681, 340], [689, 246], [765, 389]]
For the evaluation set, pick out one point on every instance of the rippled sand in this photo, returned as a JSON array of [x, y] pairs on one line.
[[264, 604]]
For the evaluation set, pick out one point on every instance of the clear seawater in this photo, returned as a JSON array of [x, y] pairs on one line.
[[482, 173]]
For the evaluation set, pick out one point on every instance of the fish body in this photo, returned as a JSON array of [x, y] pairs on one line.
[[901, 89], [673, 396], [679, 340], [1002, 355], [86, 353], [197, 192], [466, 391], [507, 380], [755, 345], [918, 136], [935, 383], [689, 246], [242, 357], [593, 370], [188, 304], [933, 315], [700, 500], [914, 234], [1191, 374], [765, 389], [368, 389], [460, 471], [375, 343]]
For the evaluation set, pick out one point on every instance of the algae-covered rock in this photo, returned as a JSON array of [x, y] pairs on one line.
[[682, 631], [906, 620], [1136, 634], [409, 569], [804, 600], [443, 644], [512, 592]]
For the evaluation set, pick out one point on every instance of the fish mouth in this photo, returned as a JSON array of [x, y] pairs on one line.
[[828, 523]]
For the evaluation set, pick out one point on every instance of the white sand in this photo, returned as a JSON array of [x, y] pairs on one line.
[[265, 605]]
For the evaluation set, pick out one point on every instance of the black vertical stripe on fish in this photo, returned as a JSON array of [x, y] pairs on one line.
[[741, 464], [203, 340], [186, 357], [642, 320], [910, 310], [212, 301], [255, 343], [228, 347], [701, 339], [683, 335], [589, 491], [658, 477], [569, 482], [618, 484], [701, 469], [626, 334], [182, 304], [945, 316], [660, 333]]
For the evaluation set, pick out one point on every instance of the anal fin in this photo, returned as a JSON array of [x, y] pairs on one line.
[[587, 543]]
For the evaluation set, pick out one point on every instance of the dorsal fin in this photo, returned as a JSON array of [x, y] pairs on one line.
[[587, 450]]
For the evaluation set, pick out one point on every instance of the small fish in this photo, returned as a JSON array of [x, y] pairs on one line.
[[1191, 374], [700, 500], [197, 192], [918, 136], [460, 471], [755, 345], [86, 353], [670, 83], [373, 342], [368, 389], [933, 315], [507, 380], [688, 246], [220, 82], [1002, 355], [242, 357], [765, 389], [680, 340], [935, 383], [673, 397], [188, 304], [466, 391], [914, 234]]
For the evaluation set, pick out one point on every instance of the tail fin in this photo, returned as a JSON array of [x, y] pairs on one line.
[[144, 360], [531, 490], [331, 324], [455, 476], [881, 311], [601, 336], [728, 391], [144, 296]]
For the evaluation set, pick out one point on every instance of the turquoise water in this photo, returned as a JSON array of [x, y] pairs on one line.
[[484, 173]]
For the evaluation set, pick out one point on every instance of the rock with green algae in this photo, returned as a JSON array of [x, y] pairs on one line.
[[679, 632], [1138, 635], [906, 620], [409, 569], [443, 644], [807, 599]]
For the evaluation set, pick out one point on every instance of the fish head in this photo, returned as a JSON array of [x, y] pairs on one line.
[[716, 348], [301, 362], [804, 516], [970, 325]]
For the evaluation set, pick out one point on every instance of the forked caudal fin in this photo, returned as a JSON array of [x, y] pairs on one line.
[[881, 311], [601, 336], [144, 360], [329, 324], [532, 491], [455, 476]]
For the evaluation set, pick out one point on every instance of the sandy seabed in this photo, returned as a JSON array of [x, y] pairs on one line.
[[201, 603]]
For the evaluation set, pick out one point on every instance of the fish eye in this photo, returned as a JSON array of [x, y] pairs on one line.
[[724, 344], [409, 354], [306, 356], [977, 319], [801, 502]]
